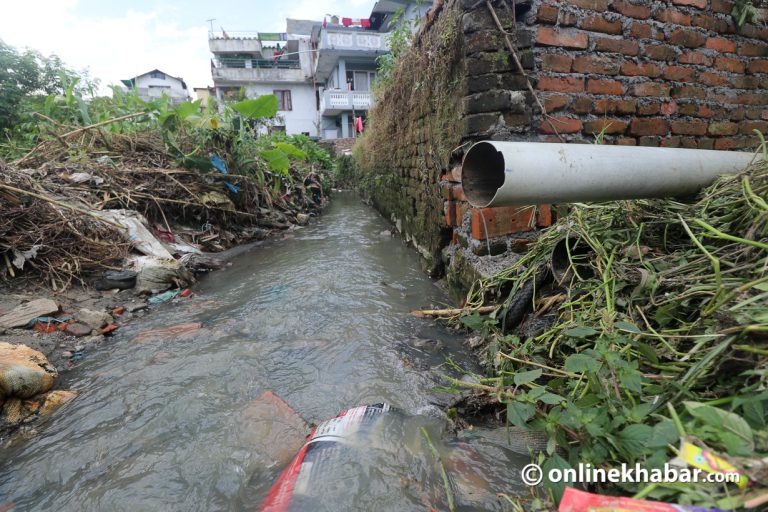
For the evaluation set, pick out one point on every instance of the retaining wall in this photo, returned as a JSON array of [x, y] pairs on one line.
[[672, 73]]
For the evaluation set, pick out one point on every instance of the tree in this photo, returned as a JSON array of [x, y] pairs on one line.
[[28, 76]]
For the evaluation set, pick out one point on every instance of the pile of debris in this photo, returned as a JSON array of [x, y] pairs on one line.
[[637, 332], [76, 207]]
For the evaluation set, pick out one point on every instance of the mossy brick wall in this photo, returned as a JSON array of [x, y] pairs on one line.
[[671, 73]]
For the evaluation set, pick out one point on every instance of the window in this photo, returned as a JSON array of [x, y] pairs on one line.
[[157, 74], [283, 100], [360, 80]]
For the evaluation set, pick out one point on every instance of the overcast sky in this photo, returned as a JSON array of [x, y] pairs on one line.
[[118, 40]]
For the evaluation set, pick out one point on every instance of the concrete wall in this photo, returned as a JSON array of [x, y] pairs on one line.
[[303, 117], [664, 73]]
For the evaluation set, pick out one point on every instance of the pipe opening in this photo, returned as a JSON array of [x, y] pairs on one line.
[[482, 173]]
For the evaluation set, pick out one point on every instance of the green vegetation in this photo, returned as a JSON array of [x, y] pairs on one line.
[[654, 330]]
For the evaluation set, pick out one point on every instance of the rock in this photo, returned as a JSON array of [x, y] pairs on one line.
[[118, 311], [17, 411], [78, 329], [94, 319], [302, 219], [21, 315], [133, 308], [386, 233], [24, 372], [66, 354]]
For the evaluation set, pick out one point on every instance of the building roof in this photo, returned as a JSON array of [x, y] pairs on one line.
[[130, 82]]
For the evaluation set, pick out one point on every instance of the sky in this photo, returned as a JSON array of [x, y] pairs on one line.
[[116, 40]]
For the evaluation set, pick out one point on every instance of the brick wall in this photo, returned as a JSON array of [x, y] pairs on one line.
[[671, 73]]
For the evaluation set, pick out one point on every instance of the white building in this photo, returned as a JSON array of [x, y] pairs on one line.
[[321, 72], [153, 84], [251, 64]]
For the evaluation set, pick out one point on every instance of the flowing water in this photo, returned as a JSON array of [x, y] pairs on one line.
[[319, 317]]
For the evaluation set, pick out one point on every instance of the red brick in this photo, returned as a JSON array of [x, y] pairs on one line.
[[678, 73], [548, 13], [543, 216], [699, 4], [582, 105], [645, 31], [696, 58], [695, 127], [755, 32], [649, 109], [626, 141], [612, 87], [722, 6], [557, 62], [758, 66], [625, 46], [501, 221], [710, 23], [560, 125], [547, 36], [712, 79], [643, 69], [668, 108], [726, 143], [611, 126], [660, 52], [746, 127], [649, 141], [610, 106], [591, 5], [689, 91], [626, 8], [751, 98], [746, 82], [753, 50], [640, 127], [598, 64], [720, 44], [674, 17], [555, 102], [729, 64], [450, 216], [600, 24], [723, 128], [566, 84], [686, 37]]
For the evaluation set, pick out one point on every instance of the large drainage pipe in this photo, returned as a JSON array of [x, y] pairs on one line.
[[524, 173]]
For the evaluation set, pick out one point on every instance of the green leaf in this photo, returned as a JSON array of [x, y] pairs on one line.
[[626, 326], [259, 108], [631, 379], [646, 350], [579, 363], [291, 150], [635, 438], [663, 433], [276, 160], [551, 398], [716, 417], [474, 322], [556, 488], [580, 332], [188, 108], [519, 413], [522, 378]]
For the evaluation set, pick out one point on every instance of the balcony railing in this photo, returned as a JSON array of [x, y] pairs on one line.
[[234, 62], [346, 100], [360, 40]]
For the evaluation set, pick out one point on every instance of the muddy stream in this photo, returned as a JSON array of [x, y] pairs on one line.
[[319, 317]]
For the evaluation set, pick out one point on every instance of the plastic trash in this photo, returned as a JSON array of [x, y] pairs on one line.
[[137, 232], [163, 297], [221, 166], [581, 501]]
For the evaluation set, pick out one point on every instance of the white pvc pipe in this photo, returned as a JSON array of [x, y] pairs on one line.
[[523, 173]]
